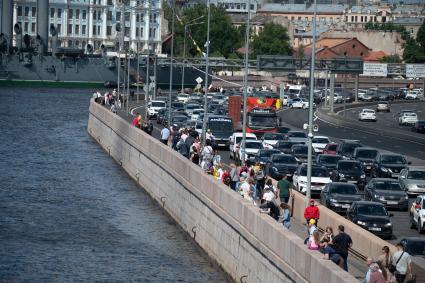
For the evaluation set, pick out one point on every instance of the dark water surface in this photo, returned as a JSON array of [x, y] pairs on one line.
[[69, 213]]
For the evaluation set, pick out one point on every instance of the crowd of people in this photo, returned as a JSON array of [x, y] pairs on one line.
[[111, 99]]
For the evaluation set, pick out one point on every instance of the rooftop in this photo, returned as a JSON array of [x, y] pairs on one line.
[[408, 21], [303, 9]]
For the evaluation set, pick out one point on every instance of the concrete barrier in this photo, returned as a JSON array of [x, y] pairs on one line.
[[250, 247]]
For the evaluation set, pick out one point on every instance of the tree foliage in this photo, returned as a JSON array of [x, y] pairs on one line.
[[272, 40], [390, 59]]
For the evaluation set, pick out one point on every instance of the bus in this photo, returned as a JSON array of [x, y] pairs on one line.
[[221, 128], [262, 120]]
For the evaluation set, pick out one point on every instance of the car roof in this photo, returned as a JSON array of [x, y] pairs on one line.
[[348, 140], [383, 180], [368, 109], [321, 137]]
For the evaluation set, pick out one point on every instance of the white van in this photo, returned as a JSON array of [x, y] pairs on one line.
[[235, 140]]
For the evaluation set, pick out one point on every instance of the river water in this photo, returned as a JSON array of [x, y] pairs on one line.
[[69, 213]]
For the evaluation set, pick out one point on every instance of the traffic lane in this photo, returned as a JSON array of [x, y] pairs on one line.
[[295, 118], [389, 119]]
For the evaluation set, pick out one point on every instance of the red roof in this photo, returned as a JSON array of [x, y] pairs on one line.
[[374, 56]]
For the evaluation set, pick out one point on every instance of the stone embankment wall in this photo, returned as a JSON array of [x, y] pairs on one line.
[[249, 246]]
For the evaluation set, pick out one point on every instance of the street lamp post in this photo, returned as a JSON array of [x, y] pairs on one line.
[[245, 83], [310, 106], [171, 62], [204, 124], [191, 23]]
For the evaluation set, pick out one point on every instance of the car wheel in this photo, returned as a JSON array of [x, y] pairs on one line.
[[412, 222], [419, 226]]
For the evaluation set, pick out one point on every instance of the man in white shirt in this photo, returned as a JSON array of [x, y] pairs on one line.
[[403, 263], [165, 135]]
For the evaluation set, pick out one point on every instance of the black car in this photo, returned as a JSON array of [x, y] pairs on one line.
[[178, 122], [371, 216], [339, 196], [160, 116], [283, 130], [350, 171], [346, 148], [414, 246], [300, 152], [328, 160], [388, 165], [367, 157], [419, 127], [285, 146], [281, 164], [264, 155], [178, 106], [388, 192]]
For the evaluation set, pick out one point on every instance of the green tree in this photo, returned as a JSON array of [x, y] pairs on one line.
[[390, 59], [301, 51], [420, 37], [272, 40]]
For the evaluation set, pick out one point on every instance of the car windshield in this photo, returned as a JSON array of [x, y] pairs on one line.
[[332, 147], [329, 159], [387, 186], [238, 139], [158, 104], [393, 159], [268, 153], [416, 247], [192, 106], [283, 145], [344, 165], [273, 137], [366, 153], [350, 147], [254, 145], [368, 111], [284, 160], [297, 135], [177, 105], [222, 126], [300, 150], [315, 172], [370, 209], [344, 189], [261, 121], [416, 175], [179, 119], [410, 115], [320, 140]]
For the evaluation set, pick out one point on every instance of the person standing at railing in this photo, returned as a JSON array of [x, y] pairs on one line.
[[342, 243], [312, 212]]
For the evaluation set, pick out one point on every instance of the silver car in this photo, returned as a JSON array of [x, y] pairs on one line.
[[383, 107], [412, 179]]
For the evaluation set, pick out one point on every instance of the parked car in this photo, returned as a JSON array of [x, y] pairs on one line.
[[350, 171], [414, 246], [297, 136], [271, 139], [417, 214], [319, 143], [263, 156], [319, 178], [367, 115], [280, 165], [330, 148], [339, 196], [371, 216], [388, 165], [366, 156], [412, 179], [346, 148], [328, 160], [407, 118], [383, 107], [388, 192], [419, 127]]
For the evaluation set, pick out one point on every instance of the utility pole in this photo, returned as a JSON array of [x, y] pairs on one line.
[[147, 62], [204, 124], [171, 62]]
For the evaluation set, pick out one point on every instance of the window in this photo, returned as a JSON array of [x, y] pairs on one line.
[[77, 43], [59, 13], [27, 10], [361, 53], [84, 14], [94, 14], [374, 19], [94, 30], [99, 15], [32, 27], [352, 18], [19, 11], [252, 6], [33, 11], [127, 16], [355, 18], [77, 29], [83, 29], [127, 31], [98, 30], [137, 31], [155, 18], [299, 18], [109, 16], [361, 19], [70, 14], [83, 44], [118, 16], [77, 14], [69, 43], [137, 18], [110, 3], [59, 29], [354, 46], [69, 29], [292, 18], [52, 12], [26, 27], [108, 30]]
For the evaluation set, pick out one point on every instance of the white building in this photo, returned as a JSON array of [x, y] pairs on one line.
[[82, 22]]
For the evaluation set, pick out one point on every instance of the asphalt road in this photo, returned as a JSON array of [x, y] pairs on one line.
[[295, 118]]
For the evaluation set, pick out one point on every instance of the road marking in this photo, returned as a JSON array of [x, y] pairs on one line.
[[134, 108]]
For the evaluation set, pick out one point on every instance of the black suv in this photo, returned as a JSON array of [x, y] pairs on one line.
[[366, 156], [285, 146], [388, 165], [328, 160], [280, 165], [263, 156], [346, 148], [350, 171], [339, 196], [388, 192], [300, 152]]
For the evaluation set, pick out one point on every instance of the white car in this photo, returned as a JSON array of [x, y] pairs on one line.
[[299, 103], [271, 139], [196, 113], [417, 214], [251, 149], [319, 178], [414, 94], [319, 143], [407, 118], [235, 140], [183, 97], [367, 115], [154, 106]]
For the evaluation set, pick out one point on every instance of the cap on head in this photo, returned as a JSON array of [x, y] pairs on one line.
[[312, 201], [312, 221]]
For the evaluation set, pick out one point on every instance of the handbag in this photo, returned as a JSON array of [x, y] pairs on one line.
[[393, 268]]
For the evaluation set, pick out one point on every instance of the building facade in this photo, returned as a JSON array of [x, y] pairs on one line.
[[82, 22]]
